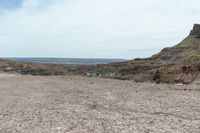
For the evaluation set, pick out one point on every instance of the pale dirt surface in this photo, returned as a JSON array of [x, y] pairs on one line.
[[31, 104]]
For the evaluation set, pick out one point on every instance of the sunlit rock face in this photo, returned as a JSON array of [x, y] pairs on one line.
[[195, 31]]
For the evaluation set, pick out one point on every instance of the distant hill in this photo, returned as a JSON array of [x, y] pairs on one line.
[[178, 64], [31, 68]]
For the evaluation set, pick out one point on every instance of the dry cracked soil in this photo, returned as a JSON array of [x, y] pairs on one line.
[[74, 104]]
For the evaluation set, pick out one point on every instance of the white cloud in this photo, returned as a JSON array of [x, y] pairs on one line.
[[95, 28]]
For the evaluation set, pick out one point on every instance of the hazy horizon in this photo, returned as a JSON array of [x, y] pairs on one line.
[[59, 58], [137, 53], [110, 29]]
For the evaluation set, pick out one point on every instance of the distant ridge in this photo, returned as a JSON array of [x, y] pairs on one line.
[[48, 66]]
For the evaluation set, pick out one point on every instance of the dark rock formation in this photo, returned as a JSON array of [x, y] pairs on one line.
[[196, 30]]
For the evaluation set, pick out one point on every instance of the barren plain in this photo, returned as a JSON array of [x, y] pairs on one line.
[[75, 104]]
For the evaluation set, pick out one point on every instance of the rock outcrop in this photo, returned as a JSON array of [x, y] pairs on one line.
[[196, 30]]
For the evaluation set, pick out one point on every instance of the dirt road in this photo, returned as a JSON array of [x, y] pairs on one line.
[[31, 104]]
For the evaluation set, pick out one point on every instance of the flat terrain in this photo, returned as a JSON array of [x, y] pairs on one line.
[[82, 105]]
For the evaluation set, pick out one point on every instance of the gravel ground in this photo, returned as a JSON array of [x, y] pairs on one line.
[[34, 104]]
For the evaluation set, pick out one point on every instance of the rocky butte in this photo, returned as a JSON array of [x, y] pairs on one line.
[[196, 31]]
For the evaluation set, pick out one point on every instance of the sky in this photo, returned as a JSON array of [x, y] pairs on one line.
[[93, 28]]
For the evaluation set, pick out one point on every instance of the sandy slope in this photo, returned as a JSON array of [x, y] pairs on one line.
[[77, 104]]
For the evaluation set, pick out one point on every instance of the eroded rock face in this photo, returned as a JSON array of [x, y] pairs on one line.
[[196, 30]]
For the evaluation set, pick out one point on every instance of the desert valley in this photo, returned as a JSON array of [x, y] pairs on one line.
[[160, 94]]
